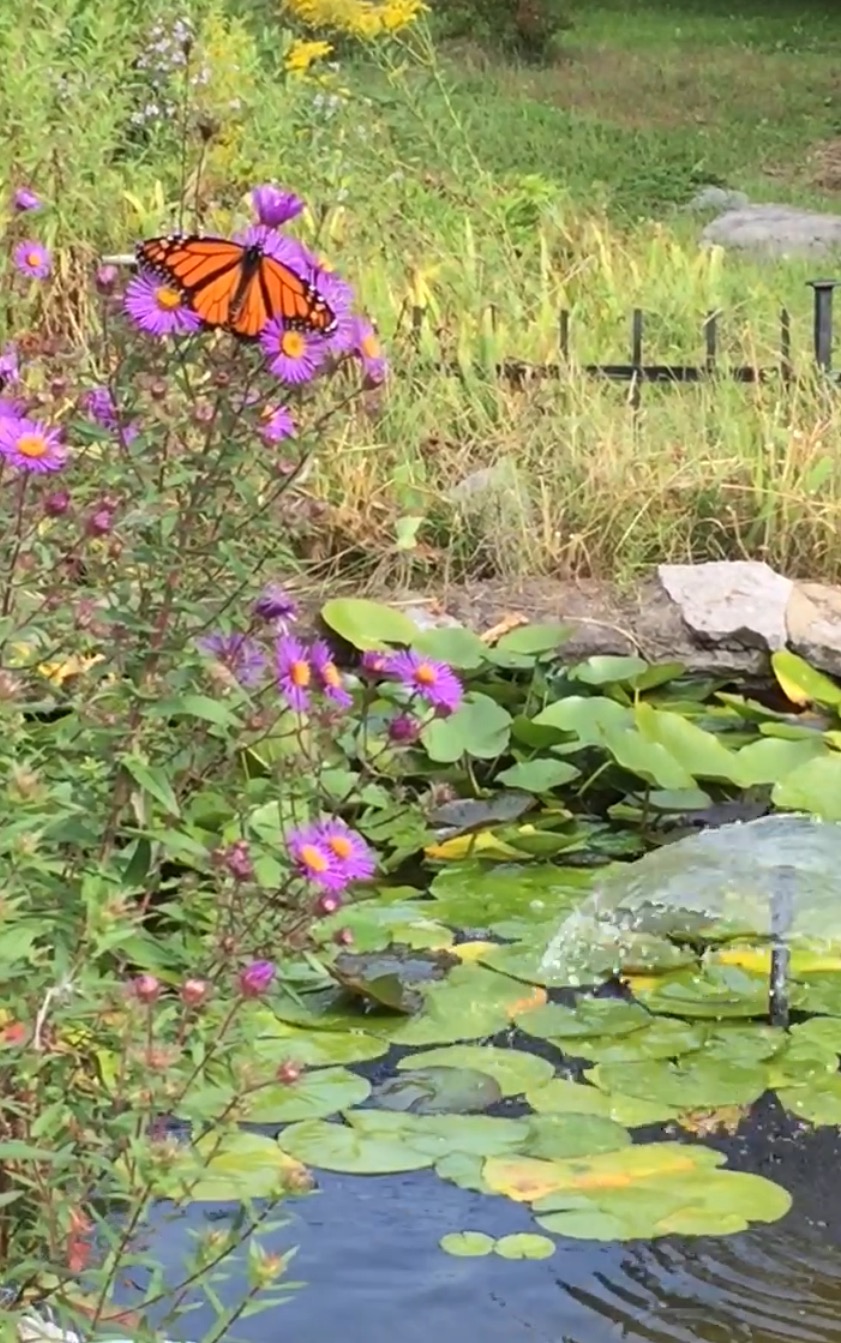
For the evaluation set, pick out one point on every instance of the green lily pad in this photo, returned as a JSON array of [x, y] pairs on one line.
[[314, 1096], [665, 1038], [814, 787], [513, 1070], [474, 1002], [561, 1096], [339, 1147], [469, 813], [433, 1090], [524, 1245], [589, 1017], [367, 624], [231, 1166], [332, 1010], [698, 1082], [443, 1135], [539, 776], [467, 1244], [819, 1103], [272, 1041], [470, 895], [464, 1170], [554, 1136], [718, 991]]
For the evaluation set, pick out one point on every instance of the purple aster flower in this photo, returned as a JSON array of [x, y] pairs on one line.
[[434, 682], [275, 604], [347, 849], [9, 365], [243, 657], [375, 663], [157, 308], [277, 425], [273, 206], [338, 295], [367, 349], [32, 259], [256, 979], [99, 404], [31, 446], [328, 675], [287, 250], [293, 356], [12, 408], [314, 860], [294, 672], [25, 199]]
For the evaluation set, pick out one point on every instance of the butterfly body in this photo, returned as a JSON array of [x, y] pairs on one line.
[[239, 287]]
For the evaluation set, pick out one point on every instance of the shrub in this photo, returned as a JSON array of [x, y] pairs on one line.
[[525, 28]]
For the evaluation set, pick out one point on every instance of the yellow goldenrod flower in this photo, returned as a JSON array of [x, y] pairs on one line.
[[302, 55]]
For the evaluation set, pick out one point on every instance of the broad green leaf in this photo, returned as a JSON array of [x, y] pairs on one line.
[[561, 1097], [461, 648], [463, 1170], [513, 1070], [587, 717], [473, 1002], [314, 1096], [467, 1244], [533, 640], [443, 1135], [604, 669], [771, 760], [815, 787], [367, 624], [427, 1090], [561, 1136], [700, 752], [524, 1245], [818, 1103], [473, 895], [696, 1082], [231, 1167], [589, 1017], [153, 780], [273, 1041], [649, 759], [339, 1147], [538, 776], [480, 728]]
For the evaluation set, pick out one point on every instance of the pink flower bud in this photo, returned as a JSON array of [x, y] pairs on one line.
[[57, 503], [404, 729], [288, 1072], [194, 992], [328, 903], [256, 979], [106, 279], [237, 860], [146, 988], [343, 937], [100, 522]]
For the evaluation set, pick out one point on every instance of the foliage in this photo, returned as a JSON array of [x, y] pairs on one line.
[[526, 28]]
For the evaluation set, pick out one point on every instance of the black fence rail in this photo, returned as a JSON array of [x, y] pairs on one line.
[[519, 373]]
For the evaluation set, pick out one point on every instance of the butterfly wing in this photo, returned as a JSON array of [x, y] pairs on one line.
[[274, 291], [208, 272]]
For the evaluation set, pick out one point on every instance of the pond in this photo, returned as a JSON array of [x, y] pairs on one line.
[[514, 1155]]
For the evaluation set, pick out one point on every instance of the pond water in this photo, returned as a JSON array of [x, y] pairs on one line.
[[370, 1257]]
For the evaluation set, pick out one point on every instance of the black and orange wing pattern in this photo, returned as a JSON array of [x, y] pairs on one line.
[[236, 287]]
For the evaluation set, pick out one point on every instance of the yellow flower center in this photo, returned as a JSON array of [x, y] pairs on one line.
[[313, 858], [371, 347], [33, 445], [299, 674], [292, 344], [425, 675], [167, 298], [33, 259], [341, 846]]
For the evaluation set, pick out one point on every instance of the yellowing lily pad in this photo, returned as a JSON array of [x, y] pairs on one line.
[[513, 1070], [467, 1244], [525, 1245], [527, 1179], [274, 1041], [232, 1166]]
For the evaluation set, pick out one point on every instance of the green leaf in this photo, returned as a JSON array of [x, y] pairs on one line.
[[513, 1070], [341, 1148], [480, 728], [472, 895], [606, 669], [467, 1244], [461, 648], [771, 760], [210, 710], [556, 1136], [368, 624], [814, 787], [230, 1167], [698, 751], [587, 718], [589, 1017], [426, 1091], [532, 640], [152, 779], [561, 1096], [818, 1103], [524, 1245], [314, 1096], [538, 776], [697, 1082], [649, 759], [273, 1041], [443, 1135]]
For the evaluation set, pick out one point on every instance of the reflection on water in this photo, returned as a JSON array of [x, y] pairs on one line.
[[374, 1272]]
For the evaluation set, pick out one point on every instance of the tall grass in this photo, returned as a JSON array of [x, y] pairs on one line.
[[471, 201]]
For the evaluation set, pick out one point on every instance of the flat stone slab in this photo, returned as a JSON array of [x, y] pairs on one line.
[[813, 618], [741, 602], [775, 230]]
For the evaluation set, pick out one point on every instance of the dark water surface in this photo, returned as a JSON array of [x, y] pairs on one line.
[[369, 1254]]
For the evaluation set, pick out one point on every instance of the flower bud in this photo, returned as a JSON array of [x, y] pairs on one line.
[[100, 522], [328, 903], [146, 988], [236, 859], [404, 729], [106, 279], [343, 937], [194, 992], [288, 1073], [256, 979]]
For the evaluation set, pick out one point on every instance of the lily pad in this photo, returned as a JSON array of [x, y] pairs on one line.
[[314, 1095], [524, 1245], [474, 1002], [470, 895], [555, 1136], [443, 1135], [464, 1170], [589, 1017], [665, 1038], [467, 1244], [513, 1070], [272, 1041], [339, 1147], [231, 1166], [698, 1082], [819, 1103], [561, 1096], [470, 813], [717, 991], [433, 1090]]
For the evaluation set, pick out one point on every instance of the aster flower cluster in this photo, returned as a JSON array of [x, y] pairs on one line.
[[331, 857], [293, 356]]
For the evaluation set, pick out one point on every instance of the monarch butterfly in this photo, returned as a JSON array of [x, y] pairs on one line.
[[239, 287]]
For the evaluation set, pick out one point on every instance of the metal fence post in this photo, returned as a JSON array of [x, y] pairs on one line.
[[823, 291]]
